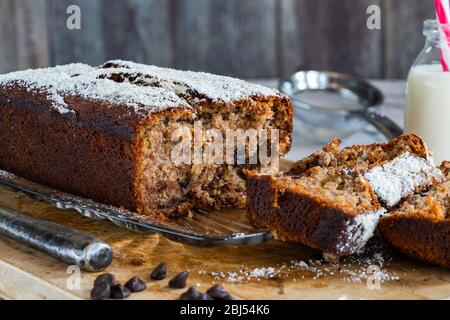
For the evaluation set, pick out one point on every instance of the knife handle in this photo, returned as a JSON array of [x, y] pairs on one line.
[[67, 245]]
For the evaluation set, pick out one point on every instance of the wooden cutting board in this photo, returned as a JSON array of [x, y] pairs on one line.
[[274, 270]]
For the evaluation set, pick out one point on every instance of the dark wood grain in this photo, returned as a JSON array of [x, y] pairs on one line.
[[31, 34], [227, 37], [238, 268], [404, 39], [138, 30], [243, 38], [25, 34], [329, 34], [7, 37]]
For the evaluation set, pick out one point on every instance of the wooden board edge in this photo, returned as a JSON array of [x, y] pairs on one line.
[[22, 285]]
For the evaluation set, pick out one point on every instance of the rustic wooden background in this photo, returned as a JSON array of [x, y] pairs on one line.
[[244, 38]]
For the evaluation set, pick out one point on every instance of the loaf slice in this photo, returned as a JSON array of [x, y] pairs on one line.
[[394, 170], [331, 209], [420, 227], [332, 200], [107, 133]]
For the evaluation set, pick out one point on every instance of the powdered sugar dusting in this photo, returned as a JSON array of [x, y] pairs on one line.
[[82, 80], [355, 269], [214, 87], [152, 98], [358, 231], [52, 81], [143, 88], [398, 178], [6, 174], [243, 274]]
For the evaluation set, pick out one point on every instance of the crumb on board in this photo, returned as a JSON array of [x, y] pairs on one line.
[[351, 269]]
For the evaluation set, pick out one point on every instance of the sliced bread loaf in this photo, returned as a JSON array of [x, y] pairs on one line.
[[420, 227], [394, 169], [330, 209], [333, 199]]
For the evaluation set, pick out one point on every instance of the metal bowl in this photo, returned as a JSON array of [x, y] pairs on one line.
[[331, 104]]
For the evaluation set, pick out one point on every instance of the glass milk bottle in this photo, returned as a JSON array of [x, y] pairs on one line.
[[428, 96]]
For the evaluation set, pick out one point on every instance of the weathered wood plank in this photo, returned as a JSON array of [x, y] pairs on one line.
[[27, 273], [23, 35], [227, 37], [84, 45], [251, 38], [7, 37], [329, 34], [403, 30], [138, 30], [31, 31]]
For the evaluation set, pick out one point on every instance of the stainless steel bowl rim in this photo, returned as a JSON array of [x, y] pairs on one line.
[[337, 79]]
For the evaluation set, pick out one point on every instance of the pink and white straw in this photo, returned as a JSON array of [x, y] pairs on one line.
[[443, 16]]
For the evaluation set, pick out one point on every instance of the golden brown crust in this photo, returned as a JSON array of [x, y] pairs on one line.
[[97, 151], [354, 156], [420, 227], [425, 239], [327, 156], [322, 196], [445, 167], [79, 154], [293, 214], [416, 144]]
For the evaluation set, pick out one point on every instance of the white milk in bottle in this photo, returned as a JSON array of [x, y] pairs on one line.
[[428, 108], [427, 111]]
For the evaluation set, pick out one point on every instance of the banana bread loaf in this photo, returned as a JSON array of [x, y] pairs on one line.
[[331, 209], [420, 227], [332, 200], [394, 169], [106, 133]]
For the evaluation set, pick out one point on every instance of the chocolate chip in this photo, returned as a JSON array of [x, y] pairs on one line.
[[119, 291], [192, 294], [159, 272], [184, 185], [106, 278], [317, 256], [136, 285], [218, 292], [179, 281], [100, 291]]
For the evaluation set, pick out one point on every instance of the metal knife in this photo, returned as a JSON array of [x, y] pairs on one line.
[[67, 245]]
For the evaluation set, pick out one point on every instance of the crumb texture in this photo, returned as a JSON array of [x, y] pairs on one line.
[[420, 226], [394, 169], [107, 133], [335, 212], [333, 199]]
